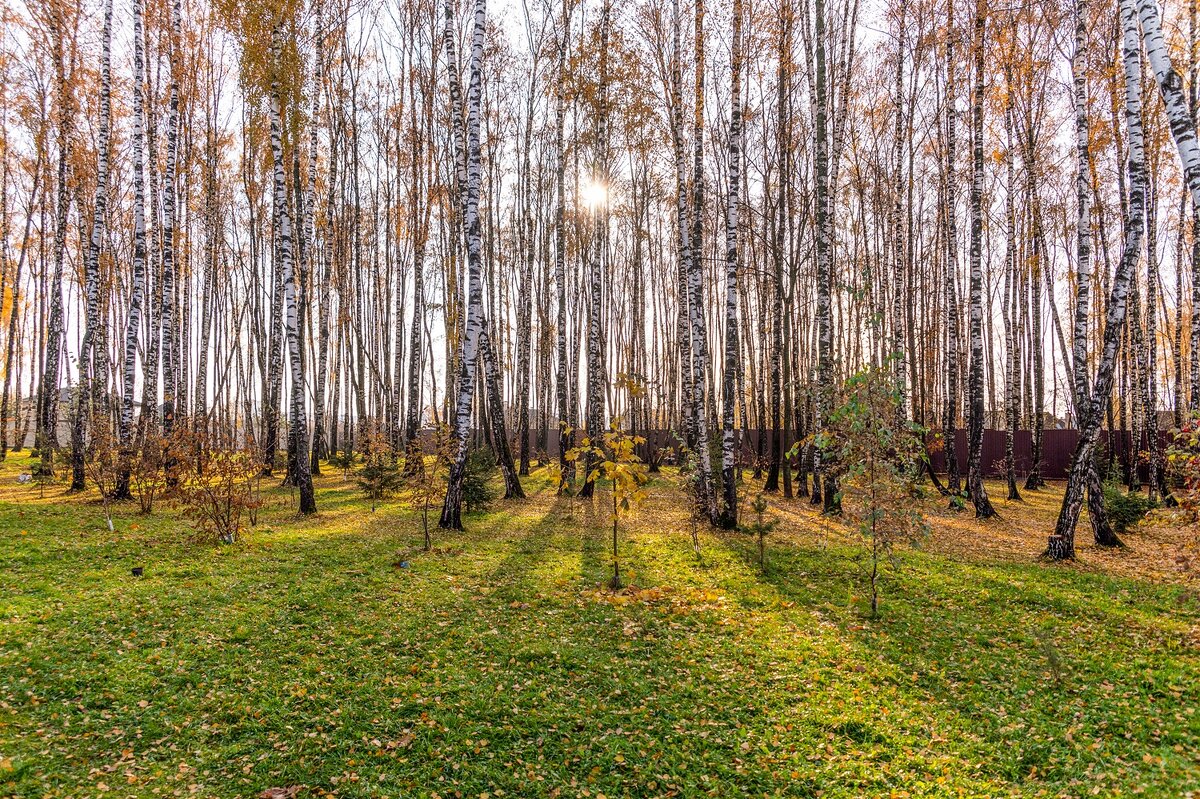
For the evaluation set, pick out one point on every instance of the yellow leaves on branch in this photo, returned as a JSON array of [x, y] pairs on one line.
[[617, 461], [252, 24]]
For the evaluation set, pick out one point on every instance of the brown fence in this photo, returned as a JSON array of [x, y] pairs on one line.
[[1058, 446]]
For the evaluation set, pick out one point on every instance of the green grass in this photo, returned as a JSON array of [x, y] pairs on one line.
[[499, 667]]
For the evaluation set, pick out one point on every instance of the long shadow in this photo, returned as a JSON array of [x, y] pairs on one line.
[[993, 651]]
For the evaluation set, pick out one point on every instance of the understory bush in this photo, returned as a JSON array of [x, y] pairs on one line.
[[219, 492], [477, 490], [1125, 508], [1183, 464]]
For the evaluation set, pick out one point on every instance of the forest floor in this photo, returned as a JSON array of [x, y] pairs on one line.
[[307, 658]]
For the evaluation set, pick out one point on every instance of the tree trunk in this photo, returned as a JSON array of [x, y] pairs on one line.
[[1080, 378], [47, 430], [1062, 544], [133, 321], [950, 284], [298, 414], [975, 487], [732, 346], [93, 350], [452, 506]]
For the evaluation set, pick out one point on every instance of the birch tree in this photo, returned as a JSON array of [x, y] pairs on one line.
[[732, 339], [975, 487], [452, 506], [1061, 545], [93, 351]]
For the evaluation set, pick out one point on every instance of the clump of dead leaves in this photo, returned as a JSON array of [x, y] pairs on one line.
[[280, 793]]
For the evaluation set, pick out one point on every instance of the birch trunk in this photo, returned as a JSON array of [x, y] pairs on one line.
[[1061, 545], [133, 321], [596, 379], [697, 323], [950, 283], [47, 429], [168, 320], [778, 219], [452, 506], [298, 413], [732, 341], [12, 350], [1009, 309], [975, 487], [93, 350], [1080, 377], [824, 242]]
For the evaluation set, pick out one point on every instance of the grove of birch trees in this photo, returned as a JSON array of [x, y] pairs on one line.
[[298, 228]]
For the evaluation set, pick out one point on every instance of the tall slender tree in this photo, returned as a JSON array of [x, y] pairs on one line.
[[975, 487], [732, 340], [1061, 545], [452, 506]]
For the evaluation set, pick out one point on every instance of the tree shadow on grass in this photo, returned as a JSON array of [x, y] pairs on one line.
[[999, 662]]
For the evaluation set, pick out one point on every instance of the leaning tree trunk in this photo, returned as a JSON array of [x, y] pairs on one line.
[[1183, 131], [975, 487], [452, 506], [1061, 545], [1080, 378], [732, 342]]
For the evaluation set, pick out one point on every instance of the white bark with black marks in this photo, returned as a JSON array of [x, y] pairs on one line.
[[298, 412], [1061, 545], [732, 340], [452, 506]]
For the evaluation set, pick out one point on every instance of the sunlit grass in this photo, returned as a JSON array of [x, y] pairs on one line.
[[304, 655]]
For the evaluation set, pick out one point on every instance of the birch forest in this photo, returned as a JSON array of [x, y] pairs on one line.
[[791, 299]]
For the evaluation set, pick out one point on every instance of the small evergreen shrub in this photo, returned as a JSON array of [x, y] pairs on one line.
[[1125, 508], [478, 493], [344, 460]]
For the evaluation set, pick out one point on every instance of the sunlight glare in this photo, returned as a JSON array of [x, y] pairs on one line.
[[594, 193]]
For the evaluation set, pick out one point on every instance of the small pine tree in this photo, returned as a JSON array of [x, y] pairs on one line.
[[478, 493], [344, 460], [760, 528], [1125, 509]]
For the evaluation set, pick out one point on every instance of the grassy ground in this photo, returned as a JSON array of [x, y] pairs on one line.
[[498, 667]]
